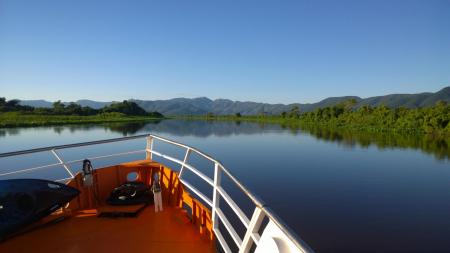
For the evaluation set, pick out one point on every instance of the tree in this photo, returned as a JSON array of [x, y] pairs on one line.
[[86, 110], [295, 112], [365, 109], [126, 107], [155, 114], [13, 103], [349, 104], [73, 108], [238, 115], [58, 107], [441, 103]]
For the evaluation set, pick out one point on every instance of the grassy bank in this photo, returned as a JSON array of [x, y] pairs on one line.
[[17, 119]]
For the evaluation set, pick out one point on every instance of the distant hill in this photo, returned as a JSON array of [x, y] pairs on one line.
[[92, 104], [409, 100], [82, 102], [203, 105], [37, 103]]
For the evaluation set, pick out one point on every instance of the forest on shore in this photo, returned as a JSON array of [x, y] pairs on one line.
[[426, 120], [434, 120], [13, 114]]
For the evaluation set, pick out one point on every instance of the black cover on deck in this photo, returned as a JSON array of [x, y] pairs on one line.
[[24, 201]]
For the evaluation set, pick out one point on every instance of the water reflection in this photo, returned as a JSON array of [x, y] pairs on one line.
[[9, 131], [439, 147], [198, 128]]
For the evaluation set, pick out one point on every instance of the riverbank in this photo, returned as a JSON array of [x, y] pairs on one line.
[[434, 144], [373, 125], [15, 119]]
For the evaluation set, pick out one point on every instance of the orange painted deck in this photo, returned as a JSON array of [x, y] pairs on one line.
[[82, 231], [167, 231]]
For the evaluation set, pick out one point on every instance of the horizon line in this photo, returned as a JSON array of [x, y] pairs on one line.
[[233, 100]]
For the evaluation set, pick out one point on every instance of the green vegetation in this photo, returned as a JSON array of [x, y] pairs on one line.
[[15, 119], [13, 114], [430, 120]]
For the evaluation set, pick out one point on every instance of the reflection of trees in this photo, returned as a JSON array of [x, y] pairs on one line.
[[199, 128], [9, 131], [129, 128], [58, 129], [203, 128], [118, 127], [437, 146], [86, 127]]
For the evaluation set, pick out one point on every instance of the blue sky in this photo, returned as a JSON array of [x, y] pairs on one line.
[[271, 51]]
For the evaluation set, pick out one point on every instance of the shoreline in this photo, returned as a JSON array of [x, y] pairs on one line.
[[302, 124], [57, 120], [30, 120]]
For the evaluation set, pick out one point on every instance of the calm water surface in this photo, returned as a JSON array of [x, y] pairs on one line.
[[339, 192]]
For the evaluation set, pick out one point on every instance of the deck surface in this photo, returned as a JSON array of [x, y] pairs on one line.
[[167, 231]]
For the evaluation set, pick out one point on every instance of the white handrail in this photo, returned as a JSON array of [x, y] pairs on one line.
[[62, 163], [241, 215], [261, 210], [30, 169], [108, 156]]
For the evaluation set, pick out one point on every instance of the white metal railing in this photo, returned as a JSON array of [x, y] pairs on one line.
[[252, 224]]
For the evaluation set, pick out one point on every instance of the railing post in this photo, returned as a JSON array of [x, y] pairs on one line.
[[186, 157], [62, 162], [216, 195], [148, 154], [255, 224]]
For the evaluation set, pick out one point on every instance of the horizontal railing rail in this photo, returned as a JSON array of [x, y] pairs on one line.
[[74, 145], [251, 224]]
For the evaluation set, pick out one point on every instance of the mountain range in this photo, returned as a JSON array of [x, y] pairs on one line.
[[203, 105]]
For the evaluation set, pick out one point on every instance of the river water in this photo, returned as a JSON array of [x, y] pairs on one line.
[[339, 191]]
